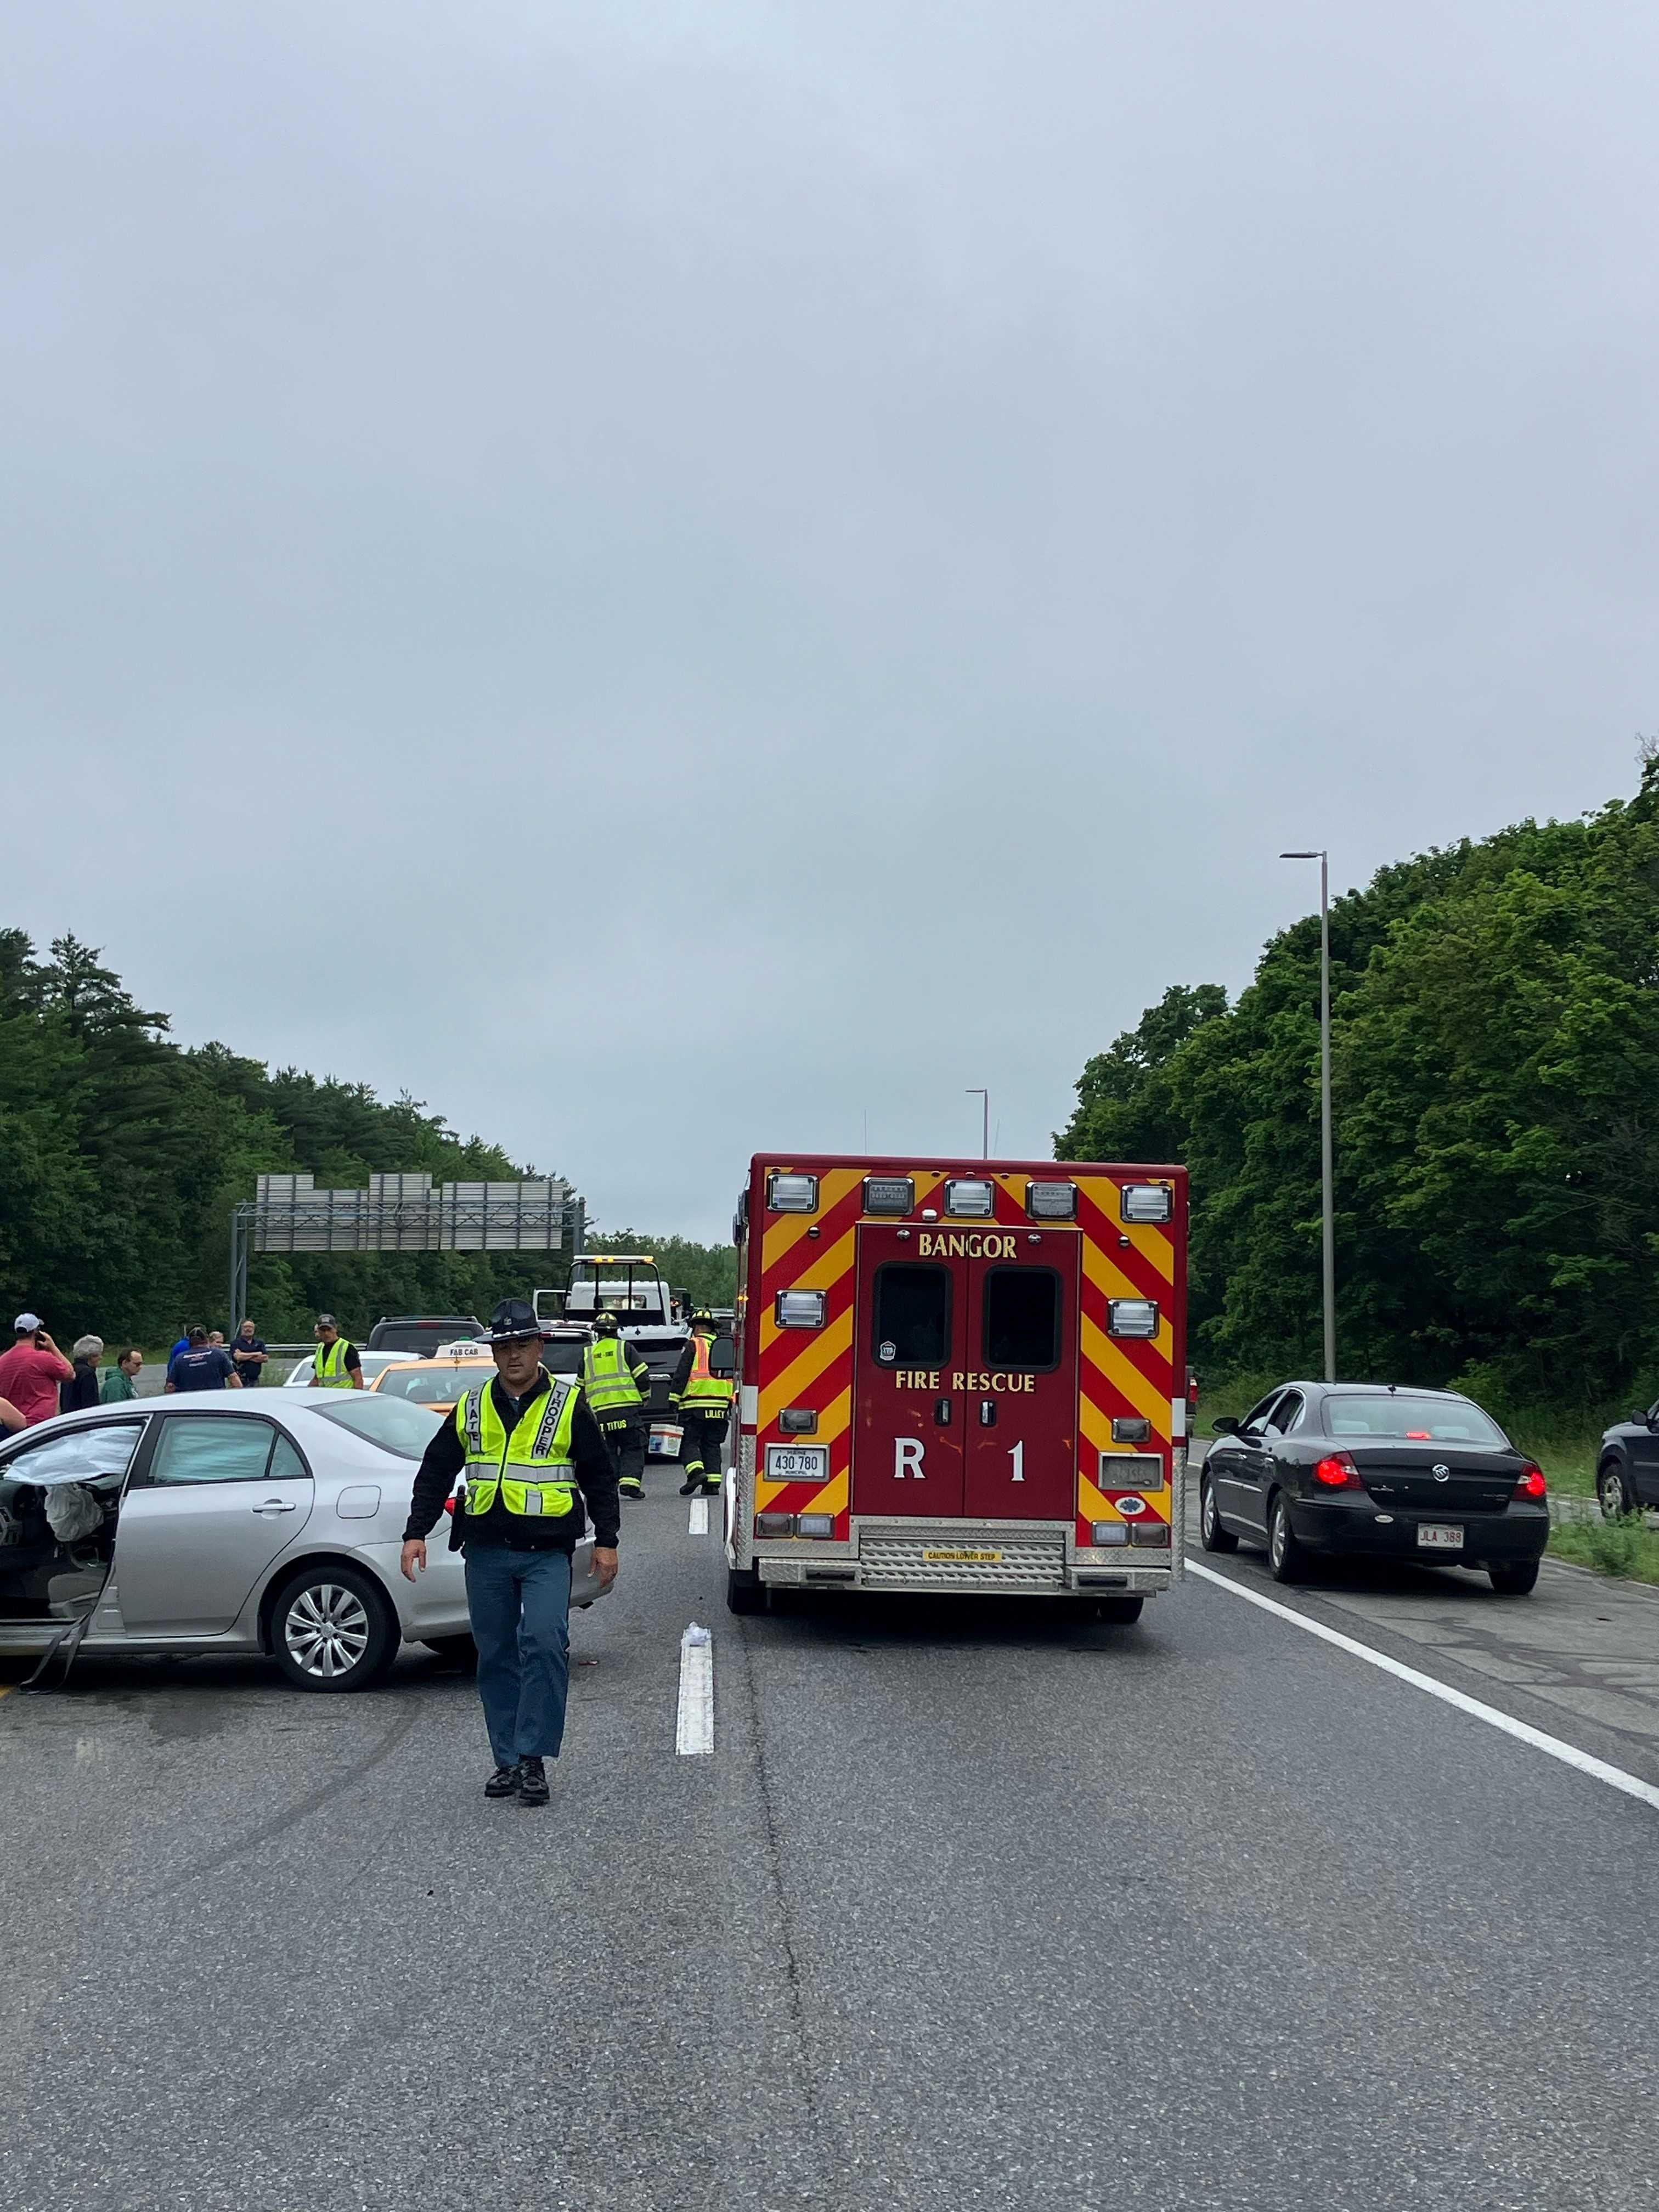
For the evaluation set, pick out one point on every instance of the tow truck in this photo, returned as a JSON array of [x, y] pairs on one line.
[[959, 1376], [630, 1286]]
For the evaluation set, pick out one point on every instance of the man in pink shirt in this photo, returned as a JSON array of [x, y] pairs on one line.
[[31, 1371]]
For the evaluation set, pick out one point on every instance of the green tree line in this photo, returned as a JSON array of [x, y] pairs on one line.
[[121, 1156], [1495, 1076]]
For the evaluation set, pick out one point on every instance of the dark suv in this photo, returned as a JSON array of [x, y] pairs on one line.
[[421, 1333], [1627, 1466]]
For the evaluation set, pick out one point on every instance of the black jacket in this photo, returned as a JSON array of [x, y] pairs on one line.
[[78, 1390], [446, 1456]]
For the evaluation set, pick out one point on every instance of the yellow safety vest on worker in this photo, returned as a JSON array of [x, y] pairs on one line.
[[532, 1470], [328, 1366], [607, 1379], [706, 1393]]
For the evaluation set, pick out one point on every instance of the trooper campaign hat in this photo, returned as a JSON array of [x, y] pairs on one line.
[[512, 1321]]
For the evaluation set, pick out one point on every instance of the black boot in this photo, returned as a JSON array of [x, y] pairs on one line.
[[533, 1782], [503, 1783], [693, 1482]]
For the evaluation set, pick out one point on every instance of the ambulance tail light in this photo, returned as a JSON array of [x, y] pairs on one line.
[[798, 1421], [1147, 1202], [816, 1526], [1051, 1202], [974, 1199], [790, 1193], [1152, 1533], [1107, 1533], [774, 1524], [1132, 1317], [1131, 1429], [799, 1309], [819, 1525]]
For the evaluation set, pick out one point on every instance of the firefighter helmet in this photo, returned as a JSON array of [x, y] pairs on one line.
[[703, 1319], [605, 1322]]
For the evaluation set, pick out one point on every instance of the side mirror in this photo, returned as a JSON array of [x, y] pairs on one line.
[[723, 1357], [1225, 1424]]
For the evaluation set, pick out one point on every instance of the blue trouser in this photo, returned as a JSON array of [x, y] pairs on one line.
[[520, 1602]]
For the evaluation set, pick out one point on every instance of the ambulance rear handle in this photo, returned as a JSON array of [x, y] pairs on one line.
[[942, 1413], [988, 1412]]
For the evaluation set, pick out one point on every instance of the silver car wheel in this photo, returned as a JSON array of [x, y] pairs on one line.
[[326, 1630], [1278, 1531]]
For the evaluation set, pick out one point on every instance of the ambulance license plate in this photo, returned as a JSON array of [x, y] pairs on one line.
[[963, 1559], [798, 1462], [1435, 1536]]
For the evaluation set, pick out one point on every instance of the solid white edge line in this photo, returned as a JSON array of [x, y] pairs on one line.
[[1551, 1746], [694, 1724], [699, 1521]]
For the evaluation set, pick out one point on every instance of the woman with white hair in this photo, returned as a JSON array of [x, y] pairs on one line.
[[81, 1388]]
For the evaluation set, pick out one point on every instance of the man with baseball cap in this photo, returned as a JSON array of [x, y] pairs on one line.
[[32, 1371], [531, 1451]]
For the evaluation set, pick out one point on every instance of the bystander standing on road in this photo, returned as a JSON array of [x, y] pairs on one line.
[[32, 1371], [203, 1366], [334, 1365], [121, 1381], [248, 1351], [531, 1452], [80, 1389], [183, 1345]]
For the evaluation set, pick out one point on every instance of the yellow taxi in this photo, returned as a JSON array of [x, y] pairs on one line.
[[440, 1382]]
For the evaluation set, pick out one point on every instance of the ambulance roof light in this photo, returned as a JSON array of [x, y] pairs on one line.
[[893, 1194], [1147, 1202], [974, 1198], [790, 1193], [1051, 1202]]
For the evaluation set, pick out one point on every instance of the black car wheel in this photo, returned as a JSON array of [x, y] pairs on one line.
[[1613, 1490], [1287, 1561], [331, 1628], [1515, 1579], [1211, 1534]]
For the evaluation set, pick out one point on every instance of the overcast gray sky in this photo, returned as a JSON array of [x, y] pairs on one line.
[[672, 578]]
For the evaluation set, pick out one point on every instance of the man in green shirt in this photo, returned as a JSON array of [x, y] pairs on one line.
[[121, 1381]]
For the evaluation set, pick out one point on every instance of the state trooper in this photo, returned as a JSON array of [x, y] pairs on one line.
[[615, 1382], [532, 1453], [703, 1402]]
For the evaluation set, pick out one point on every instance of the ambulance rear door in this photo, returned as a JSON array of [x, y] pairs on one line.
[[908, 1335], [1018, 1361]]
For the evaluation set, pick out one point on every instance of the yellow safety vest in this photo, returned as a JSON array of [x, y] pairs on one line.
[[531, 1470], [607, 1378], [705, 1393], [329, 1365]]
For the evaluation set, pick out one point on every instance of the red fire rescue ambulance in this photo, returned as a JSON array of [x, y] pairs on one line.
[[959, 1376]]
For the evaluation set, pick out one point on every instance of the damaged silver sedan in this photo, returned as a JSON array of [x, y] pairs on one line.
[[264, 1524]]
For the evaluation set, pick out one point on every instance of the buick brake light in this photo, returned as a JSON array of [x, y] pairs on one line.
[[1338, 1472], [1532, 1484]]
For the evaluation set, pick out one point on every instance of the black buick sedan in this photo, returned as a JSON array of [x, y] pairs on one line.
[[1353, 1468]]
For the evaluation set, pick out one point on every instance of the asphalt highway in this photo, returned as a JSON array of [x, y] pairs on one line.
[[969, 1908]]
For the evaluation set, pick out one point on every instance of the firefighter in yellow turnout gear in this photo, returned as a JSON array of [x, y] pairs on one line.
[[615, 1383], [703, 1402]]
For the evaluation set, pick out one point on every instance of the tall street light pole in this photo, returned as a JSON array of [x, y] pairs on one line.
[[1326, 1177], [985, 1097]]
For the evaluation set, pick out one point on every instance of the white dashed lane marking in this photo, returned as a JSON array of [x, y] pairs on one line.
[[694, 1725], [699, 1517]]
